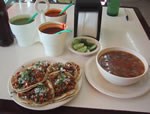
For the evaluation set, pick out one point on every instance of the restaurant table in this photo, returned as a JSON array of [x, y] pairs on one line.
[[115, 31]]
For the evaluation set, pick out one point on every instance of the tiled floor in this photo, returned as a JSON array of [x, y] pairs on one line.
[[142, 5]]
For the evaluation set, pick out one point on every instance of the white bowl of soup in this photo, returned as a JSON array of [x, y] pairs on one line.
[[121, 66]]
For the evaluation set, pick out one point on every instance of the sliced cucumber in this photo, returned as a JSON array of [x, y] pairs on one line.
[[83, 49], [78, 46], [83, 45], [84, 41], [93, 47], [76, 41], [90, 44]]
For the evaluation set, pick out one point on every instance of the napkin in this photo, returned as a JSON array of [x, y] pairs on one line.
[[87, 24]]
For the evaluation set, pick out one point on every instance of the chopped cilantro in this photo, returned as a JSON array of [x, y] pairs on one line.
[[61, 79], [27, 75], [37, 63], [41, 88]]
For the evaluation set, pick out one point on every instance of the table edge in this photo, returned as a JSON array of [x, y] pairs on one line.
[[142, 20], [11, 107]]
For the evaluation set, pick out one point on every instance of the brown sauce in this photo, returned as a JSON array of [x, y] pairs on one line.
[[122, 64], [51, 30], [54, 13]]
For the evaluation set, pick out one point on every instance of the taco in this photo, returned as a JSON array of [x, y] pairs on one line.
[[40, 95], [29, 77], [63, 83], [41, 65], [56, 67], [73, 69], [70, 67]]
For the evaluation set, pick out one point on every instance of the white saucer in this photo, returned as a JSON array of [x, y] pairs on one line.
[[99, 83]]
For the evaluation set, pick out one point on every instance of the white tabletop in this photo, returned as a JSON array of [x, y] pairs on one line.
[[115, 31]]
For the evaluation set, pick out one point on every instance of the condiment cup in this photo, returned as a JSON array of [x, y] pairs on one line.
[[117, 80], [53, 44], [24, 33], [44, 13]]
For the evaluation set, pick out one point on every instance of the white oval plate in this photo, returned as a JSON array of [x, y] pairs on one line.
[[88, 39], [99, 83], [49, 106]]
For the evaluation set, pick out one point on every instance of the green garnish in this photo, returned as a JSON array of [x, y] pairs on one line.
[[61, 79], [37, 63], [27, 75], [41, 88]]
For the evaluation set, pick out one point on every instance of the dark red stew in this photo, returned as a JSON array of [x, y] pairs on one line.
[[51, 30], [122, 64]]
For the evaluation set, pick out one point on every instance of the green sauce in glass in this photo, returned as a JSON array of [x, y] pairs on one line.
[[21, 21]]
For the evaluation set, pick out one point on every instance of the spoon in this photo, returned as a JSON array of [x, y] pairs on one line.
[[63, 31], [65, 8], [32, 17]]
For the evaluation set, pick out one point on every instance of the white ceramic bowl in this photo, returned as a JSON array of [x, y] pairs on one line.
[[117, 80], [89, 39]]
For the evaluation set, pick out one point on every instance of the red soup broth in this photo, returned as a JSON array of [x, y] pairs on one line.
[[51, 28], [54, 13], [122, 64]]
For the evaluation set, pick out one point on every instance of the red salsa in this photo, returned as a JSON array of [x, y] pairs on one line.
[[51, 30], [54, 13], [122, 64]]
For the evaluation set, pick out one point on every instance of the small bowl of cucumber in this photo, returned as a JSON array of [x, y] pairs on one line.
[[84, 45]]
